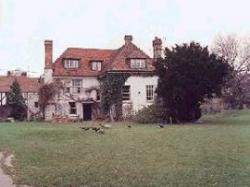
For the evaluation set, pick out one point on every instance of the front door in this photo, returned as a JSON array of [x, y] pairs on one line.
[[87, 112]]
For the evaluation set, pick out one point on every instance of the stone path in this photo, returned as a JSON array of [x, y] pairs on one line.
[[5, 180]]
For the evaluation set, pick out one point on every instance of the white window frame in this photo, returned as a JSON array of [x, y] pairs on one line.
[[126, 93], [76, 85], [137, 63], [71, 63], [149, 92], [96, 65], [72, 108]]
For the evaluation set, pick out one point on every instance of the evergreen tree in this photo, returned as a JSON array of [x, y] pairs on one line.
[[187, 75], [16, 102]]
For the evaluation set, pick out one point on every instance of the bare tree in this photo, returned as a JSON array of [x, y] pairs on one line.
[[236, 51], [47, 93]]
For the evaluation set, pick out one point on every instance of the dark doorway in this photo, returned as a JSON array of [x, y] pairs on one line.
[[87, 112]]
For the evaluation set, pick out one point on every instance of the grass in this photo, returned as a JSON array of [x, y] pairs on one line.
[[214, 153]]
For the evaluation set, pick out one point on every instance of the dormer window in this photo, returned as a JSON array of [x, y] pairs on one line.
[[71, 63], [137, 63], [96, 65]]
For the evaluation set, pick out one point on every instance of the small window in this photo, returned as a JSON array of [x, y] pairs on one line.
[[96, 65], [137, 63], [67, 89], [126, 93], [77, 85], [71, 63], [149, 92], [72, 109], [98, 95], [36, 104]]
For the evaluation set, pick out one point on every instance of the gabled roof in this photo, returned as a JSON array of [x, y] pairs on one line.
[[85, 56], [112, 60], [128, 51], [27, 84]]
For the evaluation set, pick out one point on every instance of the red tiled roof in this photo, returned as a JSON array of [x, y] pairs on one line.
[[85, 56], [112, 60], [27, 84], [128, 51]]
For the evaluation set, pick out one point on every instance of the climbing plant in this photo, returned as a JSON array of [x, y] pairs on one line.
[[111, 94], [46, 93]]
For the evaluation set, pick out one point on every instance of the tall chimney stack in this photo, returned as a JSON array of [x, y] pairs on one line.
[[48, 71], [157, 47], [48, 44], [128, 39]]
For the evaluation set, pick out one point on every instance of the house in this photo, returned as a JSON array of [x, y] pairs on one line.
[[78, 70], [29, 87]]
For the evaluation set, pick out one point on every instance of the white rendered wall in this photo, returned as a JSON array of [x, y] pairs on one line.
[[138, 91], [62, 106], [137, 94], [48, 78], [87, 82], [30, 101]]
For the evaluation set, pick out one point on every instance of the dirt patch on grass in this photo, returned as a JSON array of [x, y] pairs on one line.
[[6, 159]]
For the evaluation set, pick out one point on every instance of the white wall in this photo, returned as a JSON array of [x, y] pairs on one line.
[[138, 90], [30, 101], [62, 107], [87, 82], [48, 76], [137, 94]]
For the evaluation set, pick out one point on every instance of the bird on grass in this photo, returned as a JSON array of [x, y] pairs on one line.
[[129, 126], [96, 129], [161, 126], [85, 128], [100, 131]]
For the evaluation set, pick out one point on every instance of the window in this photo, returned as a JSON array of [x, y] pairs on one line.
[[137, 63], [71, 63], [98, 95], [72, 109], [149, 92], [96, 65], [77, 85], [126, 93], [3, 98], [67, 89], [36, 104]]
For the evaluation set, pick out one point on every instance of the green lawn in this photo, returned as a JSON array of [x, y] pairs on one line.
[[214, 153]]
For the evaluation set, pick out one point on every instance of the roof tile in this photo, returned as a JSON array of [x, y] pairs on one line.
[[27, 84]]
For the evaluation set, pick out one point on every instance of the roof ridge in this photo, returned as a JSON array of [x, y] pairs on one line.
[[84, 48]]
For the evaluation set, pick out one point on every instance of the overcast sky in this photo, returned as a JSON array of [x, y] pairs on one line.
[[25, 24]]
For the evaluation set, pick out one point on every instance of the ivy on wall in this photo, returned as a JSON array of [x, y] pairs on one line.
[[46, 93], [111, 94]]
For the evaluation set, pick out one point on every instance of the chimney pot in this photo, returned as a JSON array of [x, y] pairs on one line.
[[157, 47], [128, 39]]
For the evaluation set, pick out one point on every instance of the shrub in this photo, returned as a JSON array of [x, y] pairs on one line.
[[5, 112], [151, 114]]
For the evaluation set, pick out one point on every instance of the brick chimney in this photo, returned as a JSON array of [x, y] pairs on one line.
[[128, 39], [48, 44], [157, 47]]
